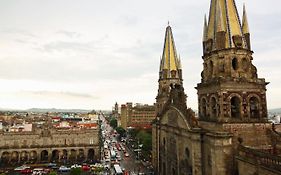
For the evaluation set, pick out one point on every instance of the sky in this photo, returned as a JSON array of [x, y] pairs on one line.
[[89, 54]]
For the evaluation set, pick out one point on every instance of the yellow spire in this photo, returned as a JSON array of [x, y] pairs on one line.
[[220, 26], [205, 29], [169, 57], [245, 26], [223, 16], [211, 25]]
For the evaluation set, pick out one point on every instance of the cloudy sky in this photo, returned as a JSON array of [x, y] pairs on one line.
[[91, 53]]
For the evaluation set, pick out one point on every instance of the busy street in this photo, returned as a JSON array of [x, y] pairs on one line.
[[116, 153]]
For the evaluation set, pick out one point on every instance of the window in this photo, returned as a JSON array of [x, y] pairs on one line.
[[254, 107], [203, 107], [235, 63], [213, 107], [235, 107], [187, 153]]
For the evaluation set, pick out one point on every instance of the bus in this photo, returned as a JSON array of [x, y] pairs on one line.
[[112, 154], [117, 170]]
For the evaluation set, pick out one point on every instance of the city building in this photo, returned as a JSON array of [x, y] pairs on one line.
[[138, 116], [232, 134], [49, 140]]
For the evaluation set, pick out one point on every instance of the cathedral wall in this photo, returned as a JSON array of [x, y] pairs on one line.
[[252, 168], [217, 154], [180, 151], [252, 134]]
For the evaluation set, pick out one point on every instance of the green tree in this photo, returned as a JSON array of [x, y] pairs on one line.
[[120, 131], [52, 173], [75, 171], [113, 123], [145, 138]]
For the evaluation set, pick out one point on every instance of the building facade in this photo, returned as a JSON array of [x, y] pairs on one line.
[[232, 134], [49, 145], [137, 116]]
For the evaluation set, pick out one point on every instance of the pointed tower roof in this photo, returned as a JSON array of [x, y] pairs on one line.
[[245, 25], [205, 29], [220, 26], [169, 57], [223, 16]]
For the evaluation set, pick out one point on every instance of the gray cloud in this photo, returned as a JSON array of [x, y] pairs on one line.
[[60, 94], [69, 33]]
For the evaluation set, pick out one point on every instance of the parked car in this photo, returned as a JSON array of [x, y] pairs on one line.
[[64, 169]]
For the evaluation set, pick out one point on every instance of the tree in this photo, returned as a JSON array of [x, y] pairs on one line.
[[120, 131], [75, 171], [113, 123], [52, 173]]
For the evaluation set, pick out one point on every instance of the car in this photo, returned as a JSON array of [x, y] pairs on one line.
[[127, 155], [26, 171], [76, 166], [21, 168], [86, 168], [51, 165], [64, 169]]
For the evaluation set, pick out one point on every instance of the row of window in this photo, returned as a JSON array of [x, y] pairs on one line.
[[211, 108]]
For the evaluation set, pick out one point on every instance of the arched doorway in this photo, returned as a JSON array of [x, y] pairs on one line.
[[91, 155], [5, 158], [72, 156], [14, 157], [64, 155], [235, 107], [33, 156], [23, 156], [81, 155], [55, 156], [44, 156], [254, 107]]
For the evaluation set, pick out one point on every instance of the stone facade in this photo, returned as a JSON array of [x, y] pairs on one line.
[[232, 135], [46, 145]]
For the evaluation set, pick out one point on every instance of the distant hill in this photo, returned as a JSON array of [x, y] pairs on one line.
[[57, 110], [277, 110]]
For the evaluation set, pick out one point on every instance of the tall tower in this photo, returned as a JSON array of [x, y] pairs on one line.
[[230, 90], [170, 70]]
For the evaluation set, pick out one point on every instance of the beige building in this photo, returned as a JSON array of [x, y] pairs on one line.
[[49, 144], [138, 116], [231, 135]]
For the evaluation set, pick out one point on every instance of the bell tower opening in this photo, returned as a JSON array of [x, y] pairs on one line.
[[254, 107], [203, 108], [235, 107], [235, 63], [213, 108]]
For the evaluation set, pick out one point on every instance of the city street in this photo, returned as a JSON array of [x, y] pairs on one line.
[[128, 159]]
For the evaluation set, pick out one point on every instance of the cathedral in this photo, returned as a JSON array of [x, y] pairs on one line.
[[231, 135]]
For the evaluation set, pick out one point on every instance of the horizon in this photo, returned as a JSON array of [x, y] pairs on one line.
[[89, 55]]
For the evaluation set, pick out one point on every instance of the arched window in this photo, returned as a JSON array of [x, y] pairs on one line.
[[174, 171], [187, 153], [213, 104], [44, 156], [173, 74], [203, 108], [235, 63], [235, 107], [254, 107]]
